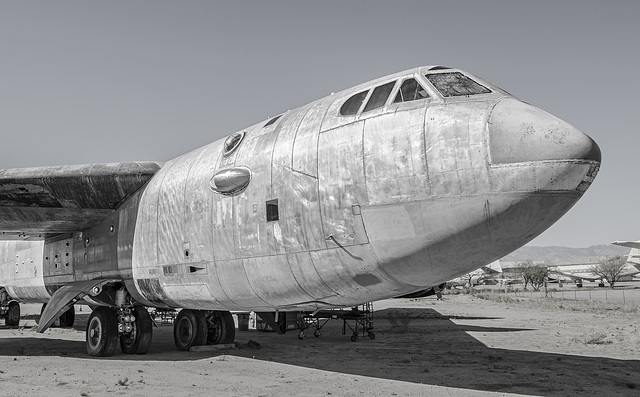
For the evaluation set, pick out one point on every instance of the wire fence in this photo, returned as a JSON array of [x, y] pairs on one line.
[[620, 296]]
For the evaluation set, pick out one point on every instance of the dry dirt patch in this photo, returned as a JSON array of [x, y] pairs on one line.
[[460, 345]]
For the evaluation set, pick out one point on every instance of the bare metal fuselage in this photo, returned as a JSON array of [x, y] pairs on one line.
[[369, 206]]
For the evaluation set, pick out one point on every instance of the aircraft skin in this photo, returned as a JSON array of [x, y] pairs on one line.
[[374, 192]]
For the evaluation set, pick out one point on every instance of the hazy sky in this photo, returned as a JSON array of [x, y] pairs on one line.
[[94, 82]]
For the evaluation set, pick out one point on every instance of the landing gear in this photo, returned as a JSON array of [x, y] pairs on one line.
[[200, 327], [136, 332], [102, 332], [190, 329], [9, 309], [65, 320], [12, 318], [68, 318], [220, 327]]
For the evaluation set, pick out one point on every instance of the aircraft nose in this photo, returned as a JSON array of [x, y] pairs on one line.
[[519, 132]]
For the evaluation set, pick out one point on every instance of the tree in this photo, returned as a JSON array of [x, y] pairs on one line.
[[610, 269], [533, 274]]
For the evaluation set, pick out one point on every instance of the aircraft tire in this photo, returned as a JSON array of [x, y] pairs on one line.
[[189, 329], [102, 332], [68, 318], [220, 327], [139, 340], [13, 315]]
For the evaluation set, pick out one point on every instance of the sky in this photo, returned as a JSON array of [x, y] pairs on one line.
[[108, 81]]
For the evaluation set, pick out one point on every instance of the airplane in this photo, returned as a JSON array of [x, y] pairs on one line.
[[634, 255], [486, 274], [580, 272], [374, 192]]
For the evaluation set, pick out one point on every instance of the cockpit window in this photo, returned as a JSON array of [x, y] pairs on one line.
[[410, 90], [232, 142], [273, 120], [456, 84], [379, 96], [352, 105]]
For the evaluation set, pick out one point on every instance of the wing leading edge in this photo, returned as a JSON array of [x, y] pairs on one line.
[[38, 201]]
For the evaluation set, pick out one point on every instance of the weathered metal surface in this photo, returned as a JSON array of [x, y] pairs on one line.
[[369, 206], [341, 183], [394, 156], [21, 270], [67, 198], [231, 180], [253, 234]]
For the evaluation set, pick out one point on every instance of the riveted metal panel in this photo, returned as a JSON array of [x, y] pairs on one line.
[[199, 240], [341, 183], [271, 279], [354, 274], [333, 117], [253, 235], [127, 217], [236, 286], [283, 150], [395, 164], [299, 223], [222, 226], [305, 155], [171, 210], [21, 270], [307, 277], [456, 155], [553, 175], [145, 240]]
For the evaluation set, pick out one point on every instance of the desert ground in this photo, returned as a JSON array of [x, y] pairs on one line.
[[460, 345]]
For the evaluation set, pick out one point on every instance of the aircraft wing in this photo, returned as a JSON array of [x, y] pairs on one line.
[[38, 201], [630, 244], [576, 276]]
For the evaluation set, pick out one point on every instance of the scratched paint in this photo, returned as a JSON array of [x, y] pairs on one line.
[[371, 205]]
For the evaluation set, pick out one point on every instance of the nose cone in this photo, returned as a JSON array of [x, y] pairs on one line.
[[519, 132]]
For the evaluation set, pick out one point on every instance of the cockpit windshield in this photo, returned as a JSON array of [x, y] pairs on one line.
[[452, 84]]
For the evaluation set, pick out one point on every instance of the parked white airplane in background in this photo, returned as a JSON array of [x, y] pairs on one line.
[[488, 273], [579, 272], [374, 192]]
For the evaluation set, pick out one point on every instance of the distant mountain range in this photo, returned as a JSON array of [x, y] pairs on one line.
[[565, 255]]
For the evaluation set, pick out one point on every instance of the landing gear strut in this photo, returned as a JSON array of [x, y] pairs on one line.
[[134, 326], [130, 325]]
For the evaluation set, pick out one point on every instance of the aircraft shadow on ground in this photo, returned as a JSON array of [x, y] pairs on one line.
[[411, 345]]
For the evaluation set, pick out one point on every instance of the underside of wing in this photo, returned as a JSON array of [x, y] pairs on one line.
[[40, 201], [629, 244]]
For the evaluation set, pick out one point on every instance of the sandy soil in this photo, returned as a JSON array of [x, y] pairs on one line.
[[462, 345]]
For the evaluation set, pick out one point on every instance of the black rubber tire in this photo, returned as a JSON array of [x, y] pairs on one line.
[[220, 327], [139, 340], [68, 318], [13, 315], [189, 329], [102, 332]]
